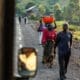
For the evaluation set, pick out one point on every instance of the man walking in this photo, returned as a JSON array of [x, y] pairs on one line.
[[64, 42], [19, 19]]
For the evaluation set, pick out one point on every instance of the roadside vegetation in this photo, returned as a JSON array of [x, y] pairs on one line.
[[73, 28], [62, 10]]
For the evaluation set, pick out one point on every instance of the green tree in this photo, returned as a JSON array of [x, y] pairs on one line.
[[42, 9], [72, 12], [47, 5], [58, 11], [29, 5], [21, 6], [20, 9]]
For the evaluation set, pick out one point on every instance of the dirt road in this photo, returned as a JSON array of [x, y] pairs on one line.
[[30, 39]]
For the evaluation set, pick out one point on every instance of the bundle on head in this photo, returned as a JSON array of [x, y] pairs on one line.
[[48, 19]]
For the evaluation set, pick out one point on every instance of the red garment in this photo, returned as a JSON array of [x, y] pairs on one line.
[[48, 35]]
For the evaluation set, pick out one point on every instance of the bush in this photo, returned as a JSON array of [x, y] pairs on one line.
[[33, 17]]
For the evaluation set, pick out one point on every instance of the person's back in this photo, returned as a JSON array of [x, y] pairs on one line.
[[48, 39], [51, 34], [48, 34]]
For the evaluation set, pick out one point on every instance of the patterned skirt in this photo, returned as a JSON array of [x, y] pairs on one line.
[[48, 50]]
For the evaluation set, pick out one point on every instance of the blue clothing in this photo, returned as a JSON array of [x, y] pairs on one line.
[[40, 29], [64, 42], [64, 39]]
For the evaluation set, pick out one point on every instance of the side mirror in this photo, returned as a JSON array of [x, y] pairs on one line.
[[27, 62]]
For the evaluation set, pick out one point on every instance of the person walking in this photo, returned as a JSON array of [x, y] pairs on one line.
[[64, 43], [48, 40], [25, 20], [40, 30], [19, 19]]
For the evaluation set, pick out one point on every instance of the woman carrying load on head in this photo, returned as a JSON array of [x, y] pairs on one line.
[[48, 40]]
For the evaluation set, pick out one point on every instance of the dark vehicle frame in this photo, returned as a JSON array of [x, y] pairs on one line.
[[7, 40]]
